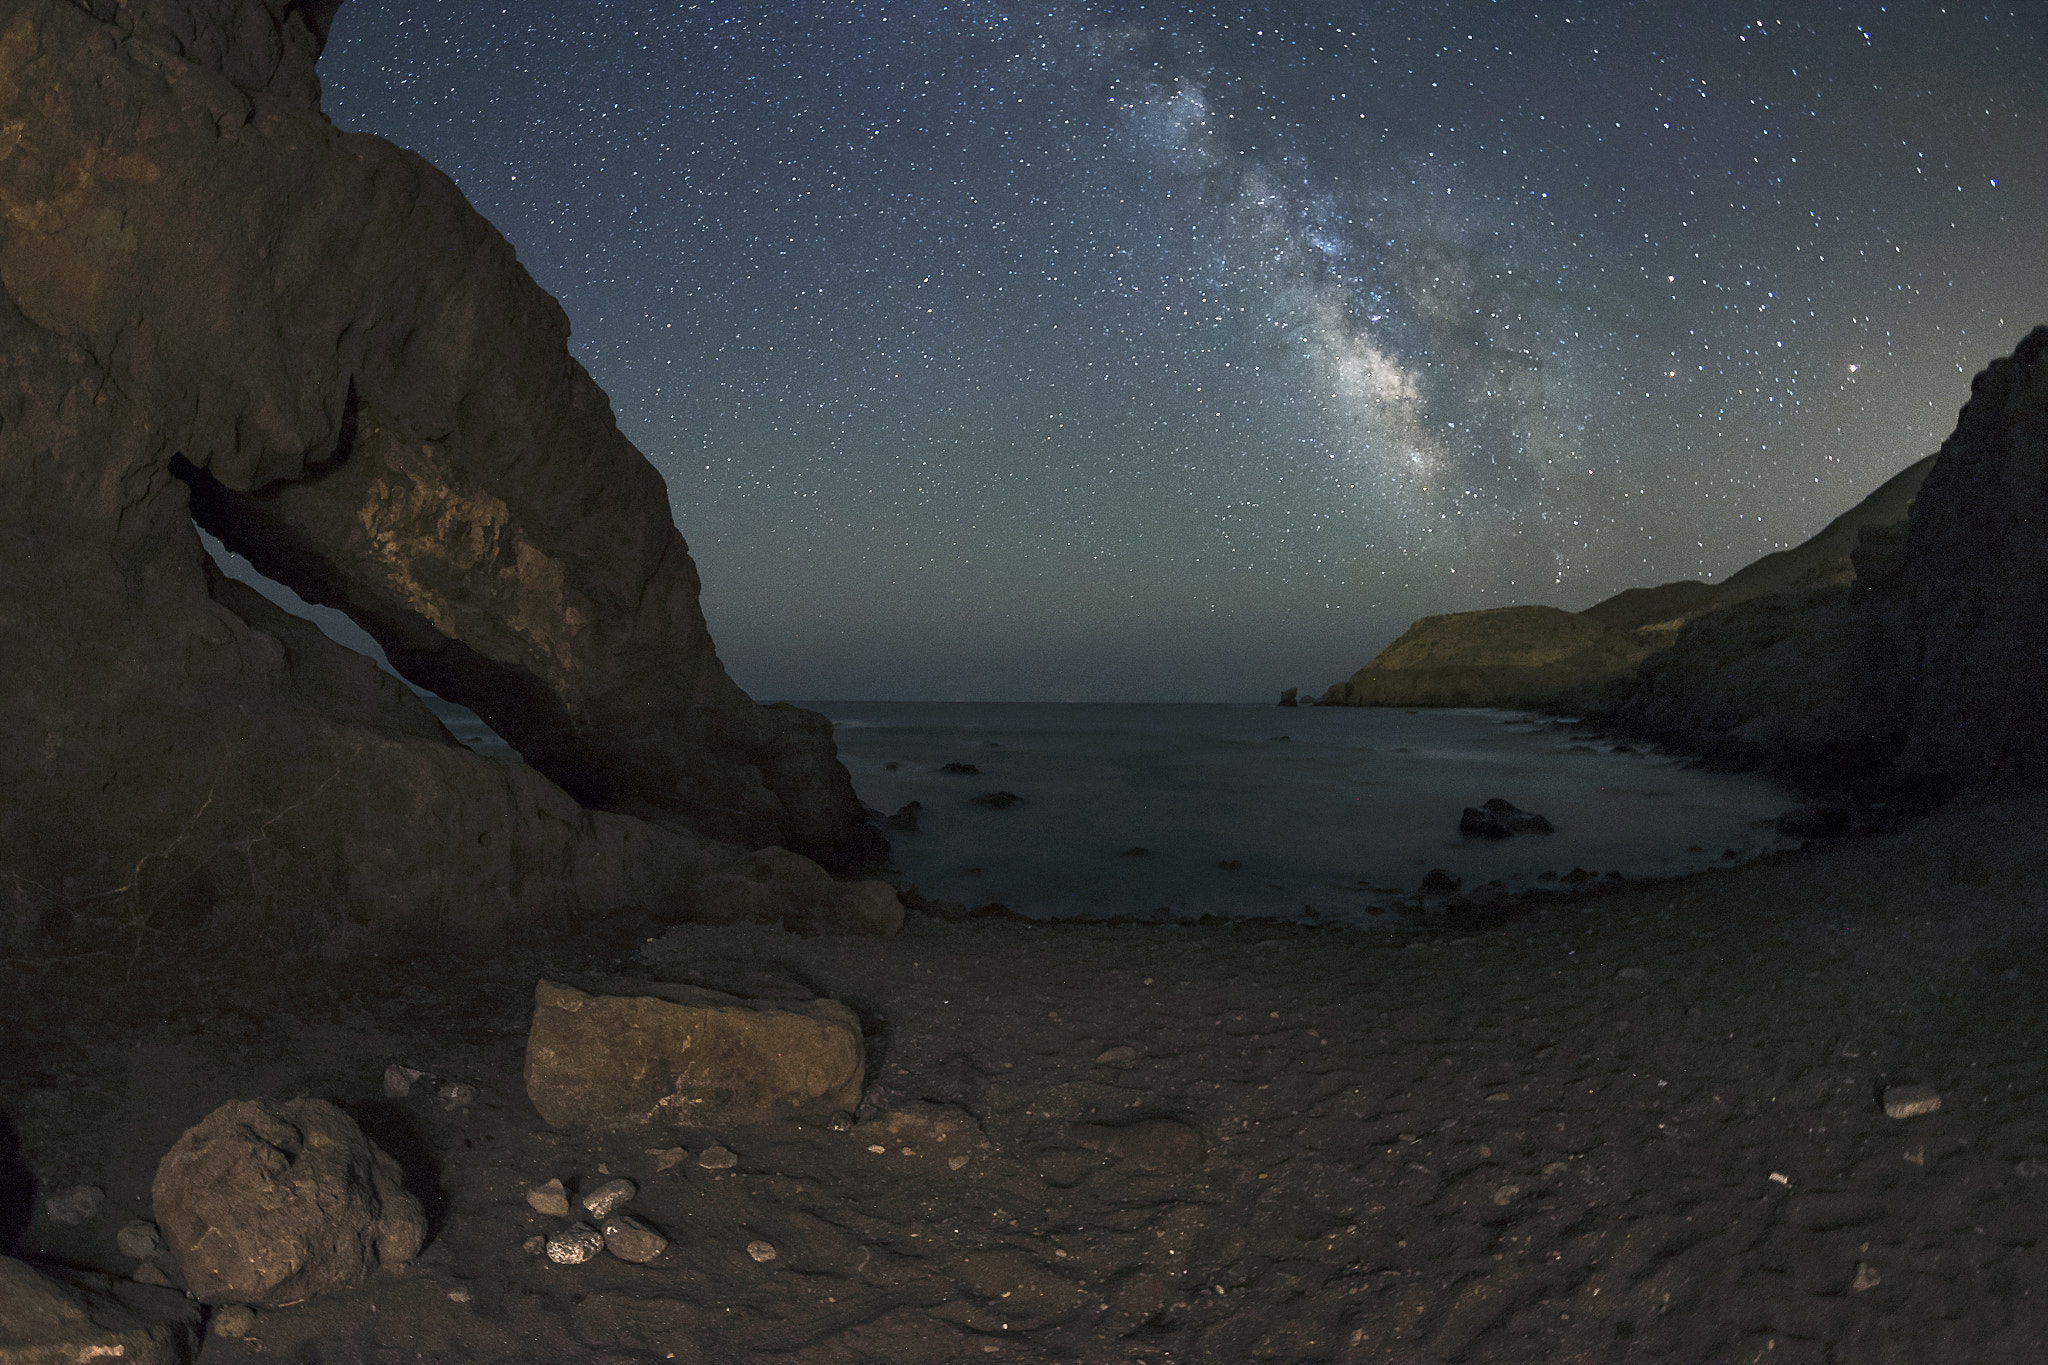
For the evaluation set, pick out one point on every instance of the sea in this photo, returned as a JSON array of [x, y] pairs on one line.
[[1317, 814]]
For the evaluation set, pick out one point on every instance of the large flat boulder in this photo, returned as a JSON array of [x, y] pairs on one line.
[[268, 1203], [660, 1054], [216, 305]]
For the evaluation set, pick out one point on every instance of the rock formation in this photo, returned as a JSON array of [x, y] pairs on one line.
[[1543, 658], [214, 305], [1534, 658], [1922, 680]]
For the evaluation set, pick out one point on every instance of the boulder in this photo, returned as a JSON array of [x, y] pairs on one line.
[[82, 1317], [217, 306], [266, 1203], [775, 886], [670, 1055]]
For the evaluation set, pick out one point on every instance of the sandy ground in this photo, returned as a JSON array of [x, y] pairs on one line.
[[1642, 1126]]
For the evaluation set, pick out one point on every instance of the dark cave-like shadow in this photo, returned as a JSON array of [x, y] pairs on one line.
[[17, 1187], [392, 1130]]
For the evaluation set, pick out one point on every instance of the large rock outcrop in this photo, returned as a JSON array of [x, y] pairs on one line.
[[215, 305], [1921, 680], [1543, 658]]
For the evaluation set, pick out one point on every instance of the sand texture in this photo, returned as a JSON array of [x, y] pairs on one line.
[[1646, 1125]]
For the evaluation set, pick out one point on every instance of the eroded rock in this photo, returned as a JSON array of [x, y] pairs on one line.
[[267, 1203], [674, 1055], [215, 304]]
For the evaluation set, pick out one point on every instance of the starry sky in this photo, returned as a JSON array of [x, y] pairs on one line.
[[1128, 351]]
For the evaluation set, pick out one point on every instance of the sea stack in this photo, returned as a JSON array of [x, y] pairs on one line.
[[215, 305]]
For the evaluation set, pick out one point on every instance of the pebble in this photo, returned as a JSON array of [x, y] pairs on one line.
[[1866, 1277], [761, 1251], [458, 1296], [575, 1244], [842, 1122], [550, 1199], [75, 1205], [398, 1080], [1120, 1053], [234, 1320], [715, 1158], [613, 1194], [665, 1157], [1911, 1101], [534, 1246], [456, 1095], [629, 1239], [139, 1239]]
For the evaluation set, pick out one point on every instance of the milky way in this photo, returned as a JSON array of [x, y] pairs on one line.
[[1171, 352]]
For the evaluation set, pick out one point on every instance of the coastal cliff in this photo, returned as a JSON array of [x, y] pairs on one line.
[[1893, 656], [1548, 659], [216, 306]]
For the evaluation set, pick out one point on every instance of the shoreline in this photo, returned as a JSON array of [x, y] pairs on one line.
[[1551, 1138]]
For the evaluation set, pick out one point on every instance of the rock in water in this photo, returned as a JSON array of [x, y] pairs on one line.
[[268, 1203], [307, 340], [674, 1055], [90, 1317]]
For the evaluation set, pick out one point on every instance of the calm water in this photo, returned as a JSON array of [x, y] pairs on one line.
[[1337, 809]]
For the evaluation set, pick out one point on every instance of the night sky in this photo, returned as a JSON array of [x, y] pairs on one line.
[[1129, 351]]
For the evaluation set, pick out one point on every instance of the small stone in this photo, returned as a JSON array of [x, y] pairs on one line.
[[1121, 1053], [458, 1296], [1911, 1101], [956, 1162], [574, 1245], [234, 1320], [139, 1239], [398, 1080], [716, 1158], [551, 1199], [666, 1157], [761, 1251], [842, 1122], [75, 1205], [611, 1195], [1505, 1195], [534, 1246], [629, 1239], [455, 1095], [1866, 1277], [150, 1273]]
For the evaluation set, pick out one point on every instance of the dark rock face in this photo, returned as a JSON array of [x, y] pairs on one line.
[[1922, 679], [215, 305]]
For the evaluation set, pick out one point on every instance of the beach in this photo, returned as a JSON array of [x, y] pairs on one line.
[[1645, 1124]]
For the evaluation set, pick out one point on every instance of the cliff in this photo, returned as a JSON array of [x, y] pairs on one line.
[[1544, 658], [1919, 682], [214, 305]]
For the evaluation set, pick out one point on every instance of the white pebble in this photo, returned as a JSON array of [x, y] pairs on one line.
[[575, 1245], [761, 1251], [1911, 1101]]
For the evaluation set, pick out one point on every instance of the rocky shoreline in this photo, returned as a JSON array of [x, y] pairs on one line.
[[1649, 1121]]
